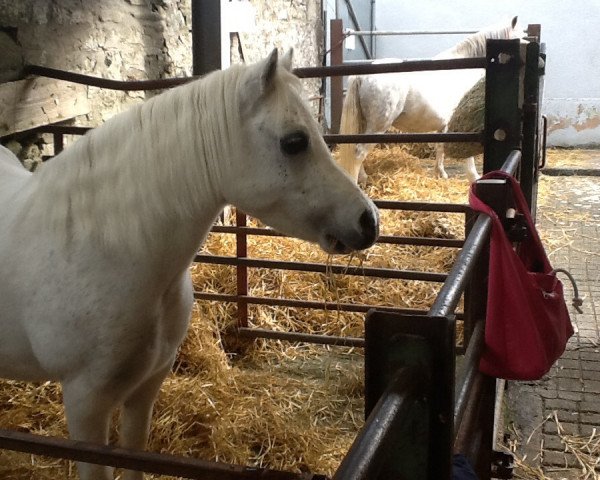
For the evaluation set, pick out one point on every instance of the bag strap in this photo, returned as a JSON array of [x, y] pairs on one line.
[[523, 208], [534, 240], [577, 300]]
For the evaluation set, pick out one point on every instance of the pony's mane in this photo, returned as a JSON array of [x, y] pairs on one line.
[[474, 45], [156, 162]]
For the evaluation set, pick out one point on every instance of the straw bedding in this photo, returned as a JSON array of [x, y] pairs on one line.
[[268, 403]]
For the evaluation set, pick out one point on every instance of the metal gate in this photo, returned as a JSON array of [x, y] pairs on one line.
[[419, 410]]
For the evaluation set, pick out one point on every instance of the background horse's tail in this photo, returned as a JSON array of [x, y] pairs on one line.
[[351, 123]]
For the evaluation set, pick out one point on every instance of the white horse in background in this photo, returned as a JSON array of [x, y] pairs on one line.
[[95, 290], [412, 101]]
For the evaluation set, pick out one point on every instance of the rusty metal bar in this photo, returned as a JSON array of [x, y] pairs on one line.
[[409, 32], [324, 268], [301, 337], [62, 129], [129, 85], [337, 83], [475, 296], [469, 370], [315, 305], [304, 72], [571, 172], [483, 446], [158, 463], [406, 66], [452, 137], [387, 239], [422, 206], [451, 291], [371, 447], [464, 431], [241, 251]]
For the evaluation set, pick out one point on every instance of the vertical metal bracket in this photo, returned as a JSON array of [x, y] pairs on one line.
[[502, 131], [423, 450], [532, 123]]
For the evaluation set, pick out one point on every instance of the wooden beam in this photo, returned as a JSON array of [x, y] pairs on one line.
[[30, 103]]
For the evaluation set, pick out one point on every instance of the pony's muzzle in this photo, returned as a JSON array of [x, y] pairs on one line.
[[369, 224], [361, 236]]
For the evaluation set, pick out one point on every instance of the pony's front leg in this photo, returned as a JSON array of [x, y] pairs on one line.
[[88, 417], [136, 416], [439, 160], [471, 170]]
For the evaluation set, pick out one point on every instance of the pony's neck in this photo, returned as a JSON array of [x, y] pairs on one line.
[[149, 175]]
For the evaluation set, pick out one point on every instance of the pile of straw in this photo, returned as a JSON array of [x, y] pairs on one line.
[[267, 403]]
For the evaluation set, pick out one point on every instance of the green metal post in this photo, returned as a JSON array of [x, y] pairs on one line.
[[502, 130], [532, 149], [422, 449]]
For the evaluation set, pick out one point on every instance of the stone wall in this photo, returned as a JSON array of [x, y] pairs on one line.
[[140, 39], [117, 39], [286, 24]]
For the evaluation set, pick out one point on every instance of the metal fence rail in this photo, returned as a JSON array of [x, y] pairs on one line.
[[158, 463], [427, 383]]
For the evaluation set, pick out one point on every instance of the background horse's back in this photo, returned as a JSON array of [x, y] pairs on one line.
[[411, 101]]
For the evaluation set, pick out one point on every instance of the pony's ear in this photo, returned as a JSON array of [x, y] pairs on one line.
[[513, 24], [286, 60], [269, 68], [260, 81]]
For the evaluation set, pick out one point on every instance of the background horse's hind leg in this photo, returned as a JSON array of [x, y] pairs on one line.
[[362, 150], [88, 417], [136, 416], [471, 170], [439, 161]]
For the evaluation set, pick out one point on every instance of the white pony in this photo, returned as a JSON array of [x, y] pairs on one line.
[[412, 101], [95, 246]]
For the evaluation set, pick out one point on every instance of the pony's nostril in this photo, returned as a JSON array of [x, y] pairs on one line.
[[369, 225]]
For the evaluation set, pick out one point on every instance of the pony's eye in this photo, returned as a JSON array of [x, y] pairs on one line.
[[294, 143]]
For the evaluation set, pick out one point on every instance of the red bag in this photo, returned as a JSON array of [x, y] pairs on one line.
[[527, 325]]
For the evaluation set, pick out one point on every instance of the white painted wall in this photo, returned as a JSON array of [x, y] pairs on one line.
[[570, 29]]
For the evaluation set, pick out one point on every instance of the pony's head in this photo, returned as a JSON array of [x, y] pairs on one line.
[[283, 172]]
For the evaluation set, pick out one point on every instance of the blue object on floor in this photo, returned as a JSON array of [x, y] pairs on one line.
[[462, 469]]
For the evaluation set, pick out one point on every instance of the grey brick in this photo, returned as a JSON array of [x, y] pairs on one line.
[[586, 430], [553, 442], [568, 363], [558, 404], [560, 459], [592, 386], [570, 384], [565, 428], [591, 418], [568, 373], [576, 396]]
